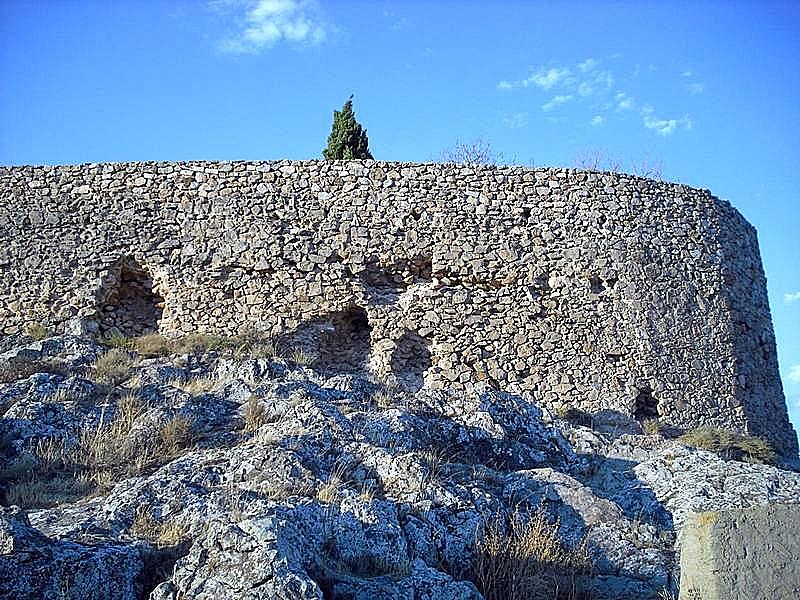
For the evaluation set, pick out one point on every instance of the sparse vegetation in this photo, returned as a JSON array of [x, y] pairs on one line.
[[56, 473], [36, 331], [299, 357], [598, 159], [162, 534], [255, 415], [525, 559], [113, 367], [340, 476], [730, 445], [384, 397], [651, 426], [196, 385], [476, 152]]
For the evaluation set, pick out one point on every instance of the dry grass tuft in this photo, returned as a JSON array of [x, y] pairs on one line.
[[197, 385], [383, 398], [101, 455], [162, 534], [330, 491], [175, 435], [525, 559], [255, 415], [299, 357], [36, 331], [651, 426], [730, 445], [113, 367]]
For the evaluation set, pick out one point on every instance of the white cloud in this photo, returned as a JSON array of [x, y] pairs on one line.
[[663, 127], [624, 102], [592, 89], [516, 120], [601, 82], [546, 79], [556, 102], [793, 297], [696, 88], [260, 24], [794, 374], [543, 78]]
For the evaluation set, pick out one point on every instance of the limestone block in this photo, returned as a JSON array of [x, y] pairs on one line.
[[744, 554]]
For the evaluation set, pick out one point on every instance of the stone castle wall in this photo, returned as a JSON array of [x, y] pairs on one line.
[[597, 290]]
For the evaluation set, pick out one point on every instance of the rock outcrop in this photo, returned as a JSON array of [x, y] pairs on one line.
[[291, 483]]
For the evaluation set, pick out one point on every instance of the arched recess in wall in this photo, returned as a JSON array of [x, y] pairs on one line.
[[339, 342], [130, 303], [645, 405], [411, 359]]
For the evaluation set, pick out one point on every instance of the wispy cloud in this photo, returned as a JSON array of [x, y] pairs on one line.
[[696, 88], [792, 297], [556, 102], [260, 24], [663, 127], [590, 86], [516, 120], [794, 374], [547, 79], [623, 101], [543, 78]]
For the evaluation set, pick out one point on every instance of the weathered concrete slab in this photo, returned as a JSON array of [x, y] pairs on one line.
[[748, 554]]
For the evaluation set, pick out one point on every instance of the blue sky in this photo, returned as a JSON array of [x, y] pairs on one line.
[[710, 91]]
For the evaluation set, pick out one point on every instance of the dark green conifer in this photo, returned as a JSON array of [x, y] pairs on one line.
[[347, 138]]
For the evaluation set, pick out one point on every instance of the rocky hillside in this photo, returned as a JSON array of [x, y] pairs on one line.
[[225, 468]]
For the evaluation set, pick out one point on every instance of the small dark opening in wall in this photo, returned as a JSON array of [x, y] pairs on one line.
[[645, 406], [411, 359], [132, 306], [596, 284], [339, 342]]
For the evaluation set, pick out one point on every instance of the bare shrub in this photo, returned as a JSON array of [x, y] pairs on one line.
[[524, 559], [476, 152], [597, 159], [600, 159]]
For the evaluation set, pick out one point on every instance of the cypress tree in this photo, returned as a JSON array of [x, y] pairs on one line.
[[347, 138]]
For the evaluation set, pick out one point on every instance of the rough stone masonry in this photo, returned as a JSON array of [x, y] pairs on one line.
[[602, 291]]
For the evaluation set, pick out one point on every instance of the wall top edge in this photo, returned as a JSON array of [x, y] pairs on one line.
[[486, 168]]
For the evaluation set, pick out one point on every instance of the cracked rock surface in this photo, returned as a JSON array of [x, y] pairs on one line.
[[299, 485]]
